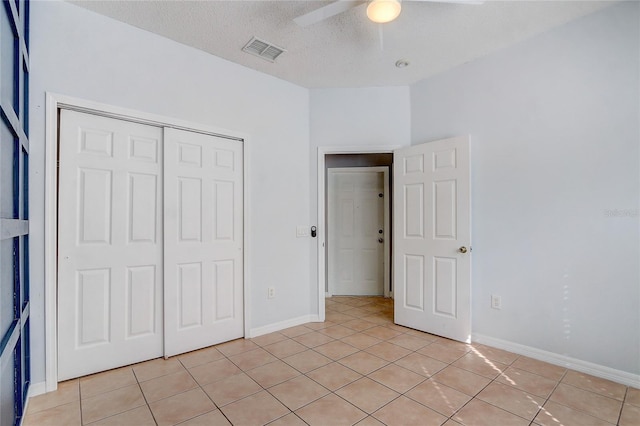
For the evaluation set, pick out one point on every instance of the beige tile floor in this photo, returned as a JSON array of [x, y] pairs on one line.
[[355, 368]]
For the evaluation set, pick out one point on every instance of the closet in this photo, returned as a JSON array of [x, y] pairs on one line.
[[150, 242]]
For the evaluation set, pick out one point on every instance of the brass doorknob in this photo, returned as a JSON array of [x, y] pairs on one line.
[[462, 249]]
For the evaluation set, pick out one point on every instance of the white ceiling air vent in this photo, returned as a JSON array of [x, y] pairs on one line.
[[263, 49]]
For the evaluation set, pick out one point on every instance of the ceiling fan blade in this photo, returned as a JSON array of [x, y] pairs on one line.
[[327, 11]]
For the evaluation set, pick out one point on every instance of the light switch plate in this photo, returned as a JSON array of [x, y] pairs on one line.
[[496, 301], [302, 231]]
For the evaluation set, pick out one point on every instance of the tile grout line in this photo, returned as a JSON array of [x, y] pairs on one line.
[[475, 397], [624, 398], [567, 370], [80, 402], [548, 398], [199, 387], [219, 408], [285, 405], [263, 388], [153, 416]]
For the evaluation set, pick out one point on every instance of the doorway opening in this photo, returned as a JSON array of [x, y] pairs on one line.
[[358, 194], [431, 246], [345, 160]]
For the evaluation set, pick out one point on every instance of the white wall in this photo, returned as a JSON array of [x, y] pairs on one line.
[[555, 131], [78, 53], [374, 116]]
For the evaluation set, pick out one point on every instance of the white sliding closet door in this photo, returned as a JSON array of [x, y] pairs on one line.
[[109, 244], [203, 236]]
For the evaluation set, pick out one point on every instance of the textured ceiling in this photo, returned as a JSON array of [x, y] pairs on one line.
[[347, 50]]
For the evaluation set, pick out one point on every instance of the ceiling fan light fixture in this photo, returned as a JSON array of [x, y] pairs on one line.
[[383, 11]]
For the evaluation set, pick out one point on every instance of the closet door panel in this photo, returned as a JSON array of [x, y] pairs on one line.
[[109, 244], [203, 241]]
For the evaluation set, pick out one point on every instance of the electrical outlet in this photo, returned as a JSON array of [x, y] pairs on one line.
[[271, 293], [496, 302]]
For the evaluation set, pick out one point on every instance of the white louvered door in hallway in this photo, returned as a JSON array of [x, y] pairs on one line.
[[150, 254]]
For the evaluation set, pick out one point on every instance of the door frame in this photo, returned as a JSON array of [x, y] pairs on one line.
[[55, 102], [386, 279], [321, 227]]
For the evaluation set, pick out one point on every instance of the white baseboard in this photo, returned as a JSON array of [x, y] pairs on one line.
[[36, 389], [327, 295], [597, 370], [259, 331]]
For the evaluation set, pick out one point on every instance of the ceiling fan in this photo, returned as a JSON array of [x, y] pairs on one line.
[[380, 11]]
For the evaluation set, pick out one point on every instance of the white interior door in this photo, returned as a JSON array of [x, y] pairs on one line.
[[203, 235], [356, 231], [432, 237], [109, 244]]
